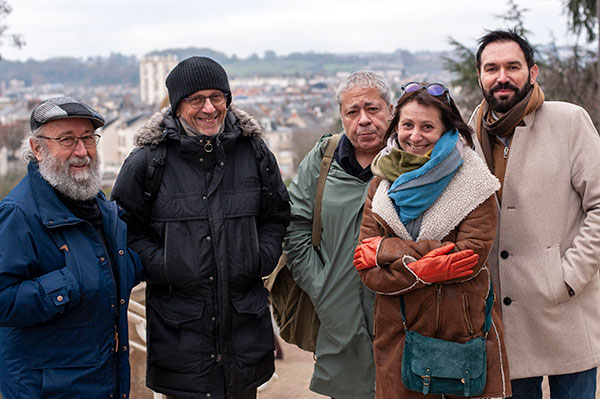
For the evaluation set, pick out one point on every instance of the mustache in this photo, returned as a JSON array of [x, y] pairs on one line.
[[504, 86], [366, 131], [77, 161]]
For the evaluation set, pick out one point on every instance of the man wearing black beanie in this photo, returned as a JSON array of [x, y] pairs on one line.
[[207, 211]]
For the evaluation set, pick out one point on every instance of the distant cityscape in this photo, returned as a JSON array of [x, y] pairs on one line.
[[293, 97]]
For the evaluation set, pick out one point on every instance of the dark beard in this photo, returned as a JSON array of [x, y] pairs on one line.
[[503, 105]]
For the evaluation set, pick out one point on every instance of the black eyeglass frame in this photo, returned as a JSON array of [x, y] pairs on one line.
[[62, 141], [202, 99]]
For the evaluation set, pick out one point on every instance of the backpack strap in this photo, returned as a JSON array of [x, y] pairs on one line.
[[325, 165], [262, 161], [156, 156], [267, 184]]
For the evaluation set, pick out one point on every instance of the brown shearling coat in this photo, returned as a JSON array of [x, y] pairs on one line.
[[453, 310]]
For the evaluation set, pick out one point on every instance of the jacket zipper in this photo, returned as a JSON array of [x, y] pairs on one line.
[[438, 309], [505, 151], [465, 306], [216, 282], [165, 253]]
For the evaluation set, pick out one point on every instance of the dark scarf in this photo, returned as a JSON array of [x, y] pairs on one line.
[[505, 126], [344, 155]]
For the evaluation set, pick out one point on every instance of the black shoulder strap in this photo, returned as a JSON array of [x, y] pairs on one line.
[[262, 165], [156, 155]]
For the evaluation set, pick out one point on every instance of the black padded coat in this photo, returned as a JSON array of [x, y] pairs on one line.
[[205, 246]]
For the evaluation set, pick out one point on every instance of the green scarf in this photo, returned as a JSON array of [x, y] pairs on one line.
[[398, 162]]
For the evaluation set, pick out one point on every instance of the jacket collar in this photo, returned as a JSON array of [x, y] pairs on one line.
[[51, 209], [471, 185], [163, 123]]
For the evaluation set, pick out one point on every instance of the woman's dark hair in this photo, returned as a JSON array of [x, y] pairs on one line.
[[445, 104]]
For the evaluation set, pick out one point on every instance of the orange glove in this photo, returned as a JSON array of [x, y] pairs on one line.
[[365, 254], [437, 265]]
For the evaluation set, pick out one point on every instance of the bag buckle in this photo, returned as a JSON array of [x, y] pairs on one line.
[[426, 381]]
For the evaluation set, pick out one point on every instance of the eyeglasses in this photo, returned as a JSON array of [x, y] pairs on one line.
[[71, 141], [435, 89], [198, 102]]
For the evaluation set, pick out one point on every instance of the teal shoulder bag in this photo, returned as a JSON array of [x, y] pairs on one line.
[[435, 366]]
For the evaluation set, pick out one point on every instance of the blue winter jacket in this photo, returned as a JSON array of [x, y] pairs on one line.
[[63, 329]]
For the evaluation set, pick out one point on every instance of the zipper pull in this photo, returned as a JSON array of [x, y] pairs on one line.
[[505, 151]]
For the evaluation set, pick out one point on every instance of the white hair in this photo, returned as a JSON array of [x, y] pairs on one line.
[[26, 152]]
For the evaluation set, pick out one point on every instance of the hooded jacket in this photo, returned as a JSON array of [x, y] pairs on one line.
[[63, 329], [205, 246], [454, 310]]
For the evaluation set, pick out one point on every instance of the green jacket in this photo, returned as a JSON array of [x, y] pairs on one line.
[[344, 356]]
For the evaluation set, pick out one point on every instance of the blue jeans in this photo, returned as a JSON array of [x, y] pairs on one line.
[[581, 385]]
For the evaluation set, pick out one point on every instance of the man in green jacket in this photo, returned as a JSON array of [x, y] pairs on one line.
[[344, 365]]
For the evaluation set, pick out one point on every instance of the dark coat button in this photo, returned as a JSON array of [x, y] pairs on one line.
[[507, 301], [504, 254]]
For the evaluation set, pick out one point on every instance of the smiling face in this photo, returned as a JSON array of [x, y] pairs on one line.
[[206, 120], [504, 76], [75, 171], [75, 157], [365, 116], [419, 127]]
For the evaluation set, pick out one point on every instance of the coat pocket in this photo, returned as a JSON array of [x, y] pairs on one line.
[[73, 367], [558, 292], [466, 312], [179, 337], [251, 328], [178, 312]]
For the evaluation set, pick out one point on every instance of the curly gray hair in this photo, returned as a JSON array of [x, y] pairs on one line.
[[365, 79]]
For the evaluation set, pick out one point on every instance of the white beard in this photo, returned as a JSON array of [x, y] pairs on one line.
[[80, 186]]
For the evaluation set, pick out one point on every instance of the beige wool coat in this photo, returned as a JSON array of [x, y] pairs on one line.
[[549, 234]]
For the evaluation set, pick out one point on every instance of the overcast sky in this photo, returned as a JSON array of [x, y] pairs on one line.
[[82, 28]]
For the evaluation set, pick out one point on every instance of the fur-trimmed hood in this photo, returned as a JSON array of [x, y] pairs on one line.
[[153, 132]]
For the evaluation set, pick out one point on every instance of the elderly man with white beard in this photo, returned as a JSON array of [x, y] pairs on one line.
[[65, 270]]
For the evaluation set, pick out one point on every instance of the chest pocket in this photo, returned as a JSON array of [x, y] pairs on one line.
[[241, 203]]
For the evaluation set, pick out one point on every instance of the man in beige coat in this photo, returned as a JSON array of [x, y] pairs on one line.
[[546, 255]]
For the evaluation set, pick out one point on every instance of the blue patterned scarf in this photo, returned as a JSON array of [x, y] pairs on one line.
[[414, 192]]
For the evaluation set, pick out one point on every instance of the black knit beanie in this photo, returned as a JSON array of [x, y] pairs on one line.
[[193, 74]]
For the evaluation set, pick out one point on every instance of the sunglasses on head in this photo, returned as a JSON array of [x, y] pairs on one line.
[[435, 89]]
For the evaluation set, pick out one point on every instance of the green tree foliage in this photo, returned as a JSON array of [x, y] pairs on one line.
[[11, 39], [465, 84], [514, 17], [583, 16], [463, 63], [566, 74]]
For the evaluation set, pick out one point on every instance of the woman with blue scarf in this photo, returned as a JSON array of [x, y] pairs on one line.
[[428, 226]]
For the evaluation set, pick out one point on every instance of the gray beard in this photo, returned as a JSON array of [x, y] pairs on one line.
[[80, 186]]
